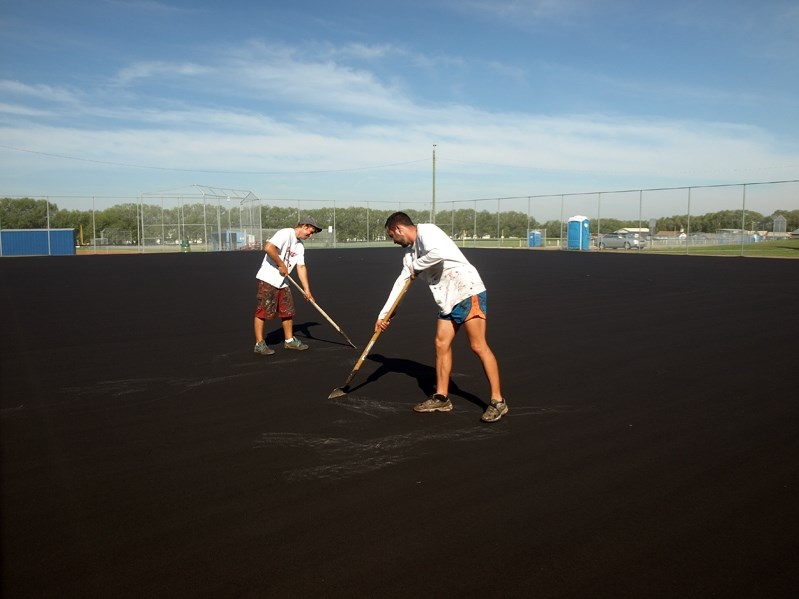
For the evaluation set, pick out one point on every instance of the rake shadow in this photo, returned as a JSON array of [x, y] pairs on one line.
[[425, 377]]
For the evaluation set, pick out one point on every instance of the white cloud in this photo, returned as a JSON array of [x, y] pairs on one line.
[[158, 69], [279, 109], [151, 6], [474, 140], [37, 91], [20, 110], [364, 51], [525, 12], [282, 74]]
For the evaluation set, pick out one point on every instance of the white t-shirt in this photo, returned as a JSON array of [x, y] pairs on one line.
[[291, 251], [442, 265]]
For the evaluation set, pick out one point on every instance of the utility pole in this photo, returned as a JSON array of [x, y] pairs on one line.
[[433, 209]]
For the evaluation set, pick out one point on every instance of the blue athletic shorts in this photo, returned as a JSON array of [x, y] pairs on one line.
[[471, 307]]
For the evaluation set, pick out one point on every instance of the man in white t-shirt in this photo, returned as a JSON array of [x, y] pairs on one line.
[[461, 297], [284, 251]]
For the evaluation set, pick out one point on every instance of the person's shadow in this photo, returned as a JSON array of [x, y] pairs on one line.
[[304, 329], [425, 377]]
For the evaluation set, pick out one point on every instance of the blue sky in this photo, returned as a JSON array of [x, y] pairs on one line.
[[343, 100]]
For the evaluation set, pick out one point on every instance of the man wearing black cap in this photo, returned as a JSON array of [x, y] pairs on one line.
[[284, 251]]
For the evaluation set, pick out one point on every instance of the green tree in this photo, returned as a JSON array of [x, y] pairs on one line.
[[608, 225], [350, 224], [118, 224], [275, 217], [80, 220], [792, 216], [464, 223], [554, 229], [513, 224], [25, 213]]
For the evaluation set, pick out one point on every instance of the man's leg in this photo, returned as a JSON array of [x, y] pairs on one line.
[[290, 341], [258, 326], [445, 333], [260, 345], [439, 402], [288, 328], [476, 333], [286, 311], [266, 299]]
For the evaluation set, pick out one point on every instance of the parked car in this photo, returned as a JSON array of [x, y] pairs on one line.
[[620, 240]]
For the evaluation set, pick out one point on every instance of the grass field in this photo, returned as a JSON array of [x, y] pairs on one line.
[[788, 248]]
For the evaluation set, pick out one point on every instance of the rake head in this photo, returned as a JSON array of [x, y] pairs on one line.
[[338, 392]]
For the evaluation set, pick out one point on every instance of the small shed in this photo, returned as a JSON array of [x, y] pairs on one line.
[[37, 242]]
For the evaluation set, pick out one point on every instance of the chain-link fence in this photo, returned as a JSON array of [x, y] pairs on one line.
[[730, 218]]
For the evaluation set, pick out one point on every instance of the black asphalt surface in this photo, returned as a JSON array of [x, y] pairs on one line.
[[651, 449]]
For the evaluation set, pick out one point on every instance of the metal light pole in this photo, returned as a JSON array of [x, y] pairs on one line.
[[229, 225], [743, 219], [433, 209]]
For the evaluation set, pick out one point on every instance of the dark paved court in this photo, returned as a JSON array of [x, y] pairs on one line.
[[651, 449]]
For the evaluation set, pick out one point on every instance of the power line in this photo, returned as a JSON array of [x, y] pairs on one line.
[[215, 172]]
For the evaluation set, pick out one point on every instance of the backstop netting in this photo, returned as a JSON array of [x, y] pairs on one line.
[[214, 218]]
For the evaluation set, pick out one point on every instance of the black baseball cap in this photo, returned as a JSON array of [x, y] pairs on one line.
[[309, 220]]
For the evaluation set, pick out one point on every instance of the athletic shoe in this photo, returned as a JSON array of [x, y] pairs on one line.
[[436, 403], [262, 348], [495, 411], [294, 344]]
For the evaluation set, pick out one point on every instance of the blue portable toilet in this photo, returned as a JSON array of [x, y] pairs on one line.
[[578, 236], [533, 239]]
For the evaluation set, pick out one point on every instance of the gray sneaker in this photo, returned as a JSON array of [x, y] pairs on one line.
[[435, 403], [494, 411], [294, 344], [262, 348]]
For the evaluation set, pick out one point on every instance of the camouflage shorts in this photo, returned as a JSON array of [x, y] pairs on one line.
[[274, 302]]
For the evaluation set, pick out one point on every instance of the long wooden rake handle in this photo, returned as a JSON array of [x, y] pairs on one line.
[[341, 390], [323, 313]]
